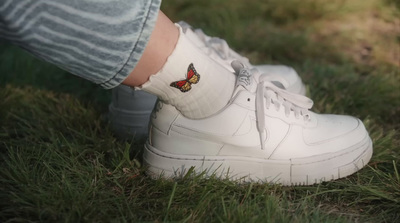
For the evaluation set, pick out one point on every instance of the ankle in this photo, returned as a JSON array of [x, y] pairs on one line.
[[191, 81]]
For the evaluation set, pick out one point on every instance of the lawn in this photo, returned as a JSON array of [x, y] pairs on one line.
[[60, 161]]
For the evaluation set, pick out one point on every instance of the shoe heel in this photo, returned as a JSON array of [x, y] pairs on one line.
[[129, 112]]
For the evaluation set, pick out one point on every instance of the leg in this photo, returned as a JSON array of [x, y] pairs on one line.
[[101, 42], [161, 44]]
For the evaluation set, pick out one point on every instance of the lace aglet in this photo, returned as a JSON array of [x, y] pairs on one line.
[[263, 136]]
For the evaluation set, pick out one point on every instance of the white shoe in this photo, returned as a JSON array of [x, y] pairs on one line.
[[129, 111], [264, 134]]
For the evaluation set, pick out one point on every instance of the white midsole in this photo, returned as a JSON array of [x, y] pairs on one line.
[[300, 171]]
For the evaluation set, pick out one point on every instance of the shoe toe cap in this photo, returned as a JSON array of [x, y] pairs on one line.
[[333, 128], [332, 134]]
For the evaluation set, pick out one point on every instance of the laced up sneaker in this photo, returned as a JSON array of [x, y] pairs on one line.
[[265, 134], [129, 111]]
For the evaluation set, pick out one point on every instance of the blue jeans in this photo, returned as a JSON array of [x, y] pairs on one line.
[[101, 41]]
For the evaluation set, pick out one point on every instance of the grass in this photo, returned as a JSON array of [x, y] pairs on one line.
[[60, 162]]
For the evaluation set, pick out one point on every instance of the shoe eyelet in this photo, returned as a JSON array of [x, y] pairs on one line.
[[248, 99]]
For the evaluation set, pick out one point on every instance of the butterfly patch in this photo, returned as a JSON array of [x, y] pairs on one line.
[[192, 77]]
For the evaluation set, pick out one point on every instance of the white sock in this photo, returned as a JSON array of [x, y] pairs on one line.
[[199, 39], [191, 81]]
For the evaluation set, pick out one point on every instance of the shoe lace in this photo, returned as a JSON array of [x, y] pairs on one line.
[[268, 94]]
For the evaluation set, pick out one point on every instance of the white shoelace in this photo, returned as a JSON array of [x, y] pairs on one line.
[[268, 94]]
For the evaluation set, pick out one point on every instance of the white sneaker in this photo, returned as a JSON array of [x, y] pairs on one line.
[[129, 111], [264, 134]]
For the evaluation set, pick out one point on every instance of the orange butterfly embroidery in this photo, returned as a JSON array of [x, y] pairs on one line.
[[192, 77]]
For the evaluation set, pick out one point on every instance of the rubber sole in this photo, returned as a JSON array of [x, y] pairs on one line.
[[304, 171]]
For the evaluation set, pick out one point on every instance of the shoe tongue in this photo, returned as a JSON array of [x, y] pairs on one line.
[[246, 80]]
